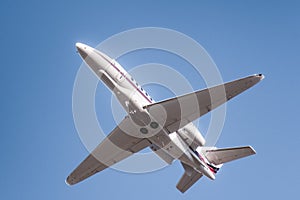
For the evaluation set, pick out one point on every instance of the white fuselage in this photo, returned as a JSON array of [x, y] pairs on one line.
[[179, 145]]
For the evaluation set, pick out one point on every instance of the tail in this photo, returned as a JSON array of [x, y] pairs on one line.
[[214, 159]]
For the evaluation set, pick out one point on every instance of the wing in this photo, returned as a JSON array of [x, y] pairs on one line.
[[177, 112], [188, 179], [220, 156], [117, 146], [162, 154]]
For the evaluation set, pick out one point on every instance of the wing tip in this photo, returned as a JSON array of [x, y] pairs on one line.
[[70, 181], [252, 149], [67, 183], [260, 76]]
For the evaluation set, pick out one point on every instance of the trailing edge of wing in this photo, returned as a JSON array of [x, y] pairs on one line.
[[176, 112]]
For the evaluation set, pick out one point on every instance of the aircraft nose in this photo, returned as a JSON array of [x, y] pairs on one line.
[[82, 49], [79, 45]]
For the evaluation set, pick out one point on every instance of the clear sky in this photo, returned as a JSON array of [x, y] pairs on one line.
[[40, 145]]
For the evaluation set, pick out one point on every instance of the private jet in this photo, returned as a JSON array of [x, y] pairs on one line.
[[166, 127]]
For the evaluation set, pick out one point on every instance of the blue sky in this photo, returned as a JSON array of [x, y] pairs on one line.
[[39, 143]]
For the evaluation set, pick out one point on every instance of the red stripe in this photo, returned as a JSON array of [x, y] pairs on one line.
[[211, 169], [202, 159]]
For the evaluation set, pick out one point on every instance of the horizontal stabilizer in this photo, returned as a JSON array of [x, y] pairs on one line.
[[220, 156], [188, 179]]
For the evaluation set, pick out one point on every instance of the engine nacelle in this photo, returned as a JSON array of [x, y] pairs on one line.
[[191, 134]]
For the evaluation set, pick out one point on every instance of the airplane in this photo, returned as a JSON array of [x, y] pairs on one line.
[[165, 126]]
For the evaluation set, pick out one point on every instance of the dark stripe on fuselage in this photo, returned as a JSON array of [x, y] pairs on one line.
[[211, 168]]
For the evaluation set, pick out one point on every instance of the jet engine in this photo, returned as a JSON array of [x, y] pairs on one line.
[[191, 134]]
